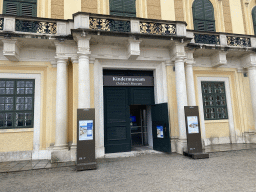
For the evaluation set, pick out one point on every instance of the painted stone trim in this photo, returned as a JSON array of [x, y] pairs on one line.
[[154, 9], [243, 14], [57, 9], [178, 5], [89, 6], [227, 16]]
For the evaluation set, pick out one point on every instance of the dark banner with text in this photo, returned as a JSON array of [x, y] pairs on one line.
[[128, 81]]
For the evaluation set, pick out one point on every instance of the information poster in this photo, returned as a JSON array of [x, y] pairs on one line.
[[192, 124], [85, 130], [160, 132]]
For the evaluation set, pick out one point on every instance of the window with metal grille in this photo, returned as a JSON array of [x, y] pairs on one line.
[[125, 8], [214, 100], [203, 15], [20, 7], [16, 103]]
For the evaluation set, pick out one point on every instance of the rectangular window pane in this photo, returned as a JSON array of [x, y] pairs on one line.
[[2, 83], [214, 100], [2, 91], [16, 103], [20, 90]]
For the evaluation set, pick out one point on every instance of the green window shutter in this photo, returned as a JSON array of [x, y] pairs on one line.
[[203, 15], [116, 7], [208, 11], [28, 9], [20, 7], [254, 19], [11, 8], [129, 8], [198, 10], [123, 8]]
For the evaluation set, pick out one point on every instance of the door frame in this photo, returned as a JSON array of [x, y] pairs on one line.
[[160, 90]]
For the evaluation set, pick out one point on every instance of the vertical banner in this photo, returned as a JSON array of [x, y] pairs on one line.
[[86, 139], [194, 143]]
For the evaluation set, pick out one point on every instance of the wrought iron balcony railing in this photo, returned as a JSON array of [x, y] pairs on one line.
[[1, 23], [204, 38], [214, 38], [42, 27], [238, 41], [122, 24]]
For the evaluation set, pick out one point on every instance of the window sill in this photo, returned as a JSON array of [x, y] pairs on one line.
[[216, 121], [16, 130]]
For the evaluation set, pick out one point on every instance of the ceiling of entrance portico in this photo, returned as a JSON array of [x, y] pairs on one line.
[[36, 43], [231, 52], [122, 41]]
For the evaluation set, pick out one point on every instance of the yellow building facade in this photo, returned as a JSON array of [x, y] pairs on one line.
[[196, 52]]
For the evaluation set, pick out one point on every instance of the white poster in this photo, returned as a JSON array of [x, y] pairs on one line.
[[192, 124], [85, 130]]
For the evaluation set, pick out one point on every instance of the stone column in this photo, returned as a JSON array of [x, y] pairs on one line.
[[83, 81], [190, 79], [181, 93], [61, 105], [190, 85], [83, 44], [252, 78]]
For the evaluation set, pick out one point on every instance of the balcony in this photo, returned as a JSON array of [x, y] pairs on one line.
[[202, 38], [91, 22]]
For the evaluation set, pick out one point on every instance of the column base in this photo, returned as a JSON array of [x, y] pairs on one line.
[[73, 151], [60, 153], [99, 152], [181, 146]]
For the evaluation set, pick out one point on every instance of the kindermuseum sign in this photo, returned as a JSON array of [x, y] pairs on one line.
[[128, 80]]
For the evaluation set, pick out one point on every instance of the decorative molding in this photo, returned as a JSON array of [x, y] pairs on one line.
[[219, 59], [133, 50], [177, 51], [83, 43], [249, 61], [66, 49], [81, 22], [9, 24], [11, 49]]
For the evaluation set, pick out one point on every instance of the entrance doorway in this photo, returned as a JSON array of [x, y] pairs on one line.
[[138, 123], [131, 117]]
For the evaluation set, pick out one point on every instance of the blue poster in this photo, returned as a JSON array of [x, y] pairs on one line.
[[85, 130], [160, 132]]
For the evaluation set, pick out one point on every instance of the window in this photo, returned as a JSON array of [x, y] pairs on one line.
[[214, 100], [254, 19], [20, 7], [203, 15], [123, 8], [16, 103]]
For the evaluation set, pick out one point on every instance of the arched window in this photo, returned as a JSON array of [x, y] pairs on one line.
[[203, 15], [125, 8], [254, 19], [20, 7]]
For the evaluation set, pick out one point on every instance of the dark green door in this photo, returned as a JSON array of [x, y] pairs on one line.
[[117, 127], [160, 128]]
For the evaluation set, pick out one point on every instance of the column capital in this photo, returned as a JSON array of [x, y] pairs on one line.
[[177, 51], [61, 59], [169, 63], [74, 60], [83, 43], [252, 67], [179, 59]]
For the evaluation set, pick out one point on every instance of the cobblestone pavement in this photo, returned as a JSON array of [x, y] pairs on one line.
[[223, 171]]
